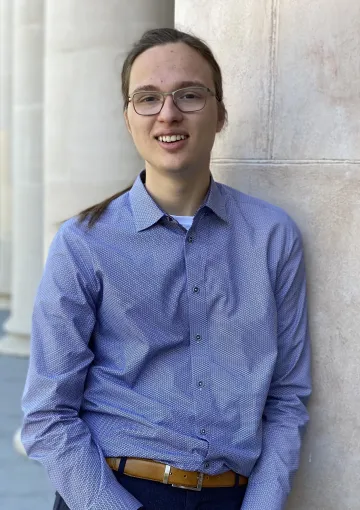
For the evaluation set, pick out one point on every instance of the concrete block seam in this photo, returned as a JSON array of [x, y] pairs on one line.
[[273, 52], [277, 162]]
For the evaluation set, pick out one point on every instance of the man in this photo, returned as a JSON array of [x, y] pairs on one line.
[[170, 355]]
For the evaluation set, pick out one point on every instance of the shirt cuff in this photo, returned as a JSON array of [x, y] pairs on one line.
[[260, 496]]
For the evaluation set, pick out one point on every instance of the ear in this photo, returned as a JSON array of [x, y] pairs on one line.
[[221, 117], [127, 120]]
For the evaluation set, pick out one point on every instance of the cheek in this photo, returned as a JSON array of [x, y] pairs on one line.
[[141, 143], [139, 130], [210, 118], [208, 128]]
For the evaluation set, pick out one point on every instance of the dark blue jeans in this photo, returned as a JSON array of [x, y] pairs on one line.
[[157, 496]]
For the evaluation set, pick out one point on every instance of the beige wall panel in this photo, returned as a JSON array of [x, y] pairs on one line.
[[115, 20], [324, 200], [317, 99], [240, 35], [29, 12], [85, 129]]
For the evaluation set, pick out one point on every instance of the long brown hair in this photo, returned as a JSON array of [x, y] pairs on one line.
[[150, 39]]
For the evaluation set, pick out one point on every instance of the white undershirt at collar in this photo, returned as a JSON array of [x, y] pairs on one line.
[[185, 221]]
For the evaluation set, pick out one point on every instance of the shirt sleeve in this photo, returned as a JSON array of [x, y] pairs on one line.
[[285, 415], [53, 433]]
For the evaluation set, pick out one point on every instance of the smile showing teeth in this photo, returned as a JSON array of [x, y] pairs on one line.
[[172, 138]]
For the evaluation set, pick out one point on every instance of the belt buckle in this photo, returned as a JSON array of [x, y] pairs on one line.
[[198, 487]]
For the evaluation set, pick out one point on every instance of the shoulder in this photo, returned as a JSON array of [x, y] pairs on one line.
[[267, 226], [78, 227], [71, 232], [68, 248], [258, 213], [78, 238]]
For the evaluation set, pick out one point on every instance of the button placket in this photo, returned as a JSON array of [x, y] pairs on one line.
[[195, 259]]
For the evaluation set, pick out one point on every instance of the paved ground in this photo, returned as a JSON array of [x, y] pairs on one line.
[[23, 483]]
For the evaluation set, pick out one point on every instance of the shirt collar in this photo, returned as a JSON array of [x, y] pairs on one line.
[[216, 200], [146, 212]]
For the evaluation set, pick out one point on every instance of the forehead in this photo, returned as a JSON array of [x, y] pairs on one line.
[[166, 66]]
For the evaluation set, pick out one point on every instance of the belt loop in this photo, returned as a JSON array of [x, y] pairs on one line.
[[166, 474], [237, 479], [122, 465]]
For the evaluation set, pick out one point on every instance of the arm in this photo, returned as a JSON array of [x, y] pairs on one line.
[[285, 415], [53, 433]]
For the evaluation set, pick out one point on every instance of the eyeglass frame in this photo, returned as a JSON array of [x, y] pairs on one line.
[[165, 94]]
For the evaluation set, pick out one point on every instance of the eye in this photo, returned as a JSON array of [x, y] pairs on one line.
[[190, 95], [147, 98]]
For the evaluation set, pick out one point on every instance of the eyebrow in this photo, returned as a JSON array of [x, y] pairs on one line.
[[180, 85]]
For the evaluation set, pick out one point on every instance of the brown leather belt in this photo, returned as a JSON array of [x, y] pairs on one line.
[[157, 472]]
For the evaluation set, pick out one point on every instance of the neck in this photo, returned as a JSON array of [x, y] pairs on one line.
[[179, 195]]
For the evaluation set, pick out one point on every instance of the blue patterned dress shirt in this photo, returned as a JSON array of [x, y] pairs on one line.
[[187, 347]]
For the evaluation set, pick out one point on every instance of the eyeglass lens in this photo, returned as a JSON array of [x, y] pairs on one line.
[[187, 100]]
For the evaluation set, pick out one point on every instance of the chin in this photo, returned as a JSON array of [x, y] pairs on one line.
[[180, 169], [172, 167]]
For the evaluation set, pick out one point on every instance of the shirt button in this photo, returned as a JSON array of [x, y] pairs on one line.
[[198, 337], [206, 465], [190, 239], [202, 431], [196, 289], [200, 384]]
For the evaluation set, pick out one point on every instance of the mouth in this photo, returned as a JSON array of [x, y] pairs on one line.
[[172, 142], [171, 138]]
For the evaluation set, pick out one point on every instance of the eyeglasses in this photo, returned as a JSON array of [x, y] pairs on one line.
[[189, 99]]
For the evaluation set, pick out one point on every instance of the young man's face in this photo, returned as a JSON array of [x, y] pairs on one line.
[[165, 69]]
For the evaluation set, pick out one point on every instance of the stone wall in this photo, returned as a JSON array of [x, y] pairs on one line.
[[292, 89]]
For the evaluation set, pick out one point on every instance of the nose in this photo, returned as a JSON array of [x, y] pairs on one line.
[[169, 112]]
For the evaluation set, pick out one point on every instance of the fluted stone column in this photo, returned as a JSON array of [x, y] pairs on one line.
[[88, 153], [292, 88], [5, 141], [26, 156]]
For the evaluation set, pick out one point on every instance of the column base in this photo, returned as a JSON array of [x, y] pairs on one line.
[[15, 345], [19, 448]]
